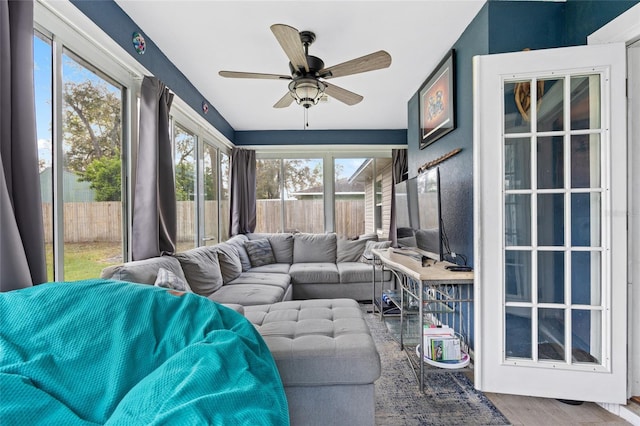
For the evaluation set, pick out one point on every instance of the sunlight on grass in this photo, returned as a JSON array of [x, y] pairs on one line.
[[85, 260]]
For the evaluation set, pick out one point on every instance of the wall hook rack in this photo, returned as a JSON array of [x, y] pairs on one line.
[[433, 163]]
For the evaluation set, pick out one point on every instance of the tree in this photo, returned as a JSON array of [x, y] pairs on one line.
[[104, 174], [299, 174]]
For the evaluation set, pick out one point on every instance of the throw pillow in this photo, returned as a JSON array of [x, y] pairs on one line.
[[366, 255], [260, 252], [351, 250], [230, 264], [202, 270], [167, 279]]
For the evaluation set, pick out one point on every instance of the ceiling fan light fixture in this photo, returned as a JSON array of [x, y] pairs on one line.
[[306, 91]]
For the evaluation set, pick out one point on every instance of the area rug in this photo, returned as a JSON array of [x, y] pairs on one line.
[[449, 398]]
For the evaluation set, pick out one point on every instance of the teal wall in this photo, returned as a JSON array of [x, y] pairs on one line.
[[500, 26]]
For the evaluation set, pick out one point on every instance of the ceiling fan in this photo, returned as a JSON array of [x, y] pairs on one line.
[[306, 86]]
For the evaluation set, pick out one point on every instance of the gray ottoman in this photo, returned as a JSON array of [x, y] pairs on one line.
[[326, 357]]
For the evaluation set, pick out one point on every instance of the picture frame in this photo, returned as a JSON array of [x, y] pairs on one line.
[[436, 98]]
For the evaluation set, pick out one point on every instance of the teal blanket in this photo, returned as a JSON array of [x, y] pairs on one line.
[[109, 352]]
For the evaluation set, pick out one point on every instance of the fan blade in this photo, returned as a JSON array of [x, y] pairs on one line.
[[240, 74], [285, 101], [289, 39], [370, 62], [343, 95]]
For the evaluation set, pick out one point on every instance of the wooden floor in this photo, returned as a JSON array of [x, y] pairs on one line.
[[524, 410]]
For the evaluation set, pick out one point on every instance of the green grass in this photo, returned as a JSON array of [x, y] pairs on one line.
[[85, 260]]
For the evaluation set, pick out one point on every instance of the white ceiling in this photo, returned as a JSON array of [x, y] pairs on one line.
[[204, 37]]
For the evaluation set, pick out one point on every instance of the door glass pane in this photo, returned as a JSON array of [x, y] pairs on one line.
[[225, 174], [268, 201], [586, 334], [585, 102], [517, 213], [586, 285], [210, 180], [517, 163], [91, 184], [585, 161], [42, 63], [304, 195], [185, 169], [551, 105], [550, 219], [350, 181], [585, 219], [517, 276], [551, 277], [517, 107], [550, 162], [518, 332], [551, 342]]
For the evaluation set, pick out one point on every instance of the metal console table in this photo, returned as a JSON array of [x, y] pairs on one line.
[[443, 296]]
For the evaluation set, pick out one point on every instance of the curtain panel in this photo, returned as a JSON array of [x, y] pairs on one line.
[[22, 255], [154, 227], [243, 192]]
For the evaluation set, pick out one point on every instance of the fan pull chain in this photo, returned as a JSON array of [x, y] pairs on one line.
[[306, 119]]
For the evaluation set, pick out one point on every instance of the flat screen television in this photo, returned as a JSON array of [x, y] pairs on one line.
[[428, 234], [406, 212]]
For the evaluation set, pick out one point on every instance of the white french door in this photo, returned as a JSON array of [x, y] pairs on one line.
[[550, 223]]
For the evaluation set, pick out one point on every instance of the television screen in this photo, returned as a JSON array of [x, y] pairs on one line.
[[406, 212], [429, 233]]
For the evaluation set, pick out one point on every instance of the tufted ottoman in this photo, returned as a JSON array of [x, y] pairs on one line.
[[326, 357]]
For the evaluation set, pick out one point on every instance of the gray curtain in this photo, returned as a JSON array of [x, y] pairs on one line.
[[154, 202], [22, 258], [400, 168], [243, 191]]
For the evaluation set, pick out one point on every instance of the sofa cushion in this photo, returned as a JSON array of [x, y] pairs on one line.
[[248, 294], [260, 252], [201, 268], [238, 242], [143, 271], [319, 248], [358, 272], [278, 268], [351, 250], [167, 279], [229, 259], [281, 244], [315, 272], [279, 280]]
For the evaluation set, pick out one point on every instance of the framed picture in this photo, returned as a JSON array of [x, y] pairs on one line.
[[437, 102]]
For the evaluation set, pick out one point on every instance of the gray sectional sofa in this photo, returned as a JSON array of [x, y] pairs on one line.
[[300, 291]]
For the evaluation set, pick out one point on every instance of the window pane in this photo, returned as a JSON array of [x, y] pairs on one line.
[[586, 284], [585, 161], [550, 105], [551, 334], [585, 102], [184, 144], [550, 162], [518, 332], [42, 63], [351, 179], [210, 181], [585, 219], [225, 173], [91, 184], [517, 107], [551, 277], [586, 333], [550, 219], [517, 212], [517, 163], [517, 276], [304, 195], [268, 200]]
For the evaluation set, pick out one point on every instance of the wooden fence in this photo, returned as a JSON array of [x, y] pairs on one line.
[[102, 221]]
